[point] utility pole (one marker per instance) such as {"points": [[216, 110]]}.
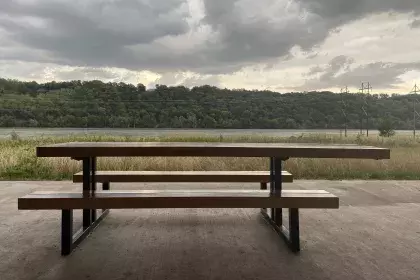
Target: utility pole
{"points": [[415, 113], [343, 108], [366, 88]]}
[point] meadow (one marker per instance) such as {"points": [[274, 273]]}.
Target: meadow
{"points": [[19, 162]]}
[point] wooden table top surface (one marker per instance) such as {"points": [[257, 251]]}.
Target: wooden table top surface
{"points": [[212, 149]]}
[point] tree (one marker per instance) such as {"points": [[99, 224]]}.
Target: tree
{"points": [[291, 123], [99, 104], [141, 88], [386, 128]]}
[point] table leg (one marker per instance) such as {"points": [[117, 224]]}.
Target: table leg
{"points": [[66, 231], [105, 187], [86, 190], [69, 241], [291, 234], [268, 211], [275, 215], [294, 238], [90, 220], [278, 184], [93, 185], [276, 187]]}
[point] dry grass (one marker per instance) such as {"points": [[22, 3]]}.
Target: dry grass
{"points": [[18, 160]]}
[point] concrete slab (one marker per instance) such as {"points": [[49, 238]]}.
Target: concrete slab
{"points": [[374, 235]]}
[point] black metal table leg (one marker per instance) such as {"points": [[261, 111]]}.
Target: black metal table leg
{"points": [[272, 184], [90, 221], [66, 231], [86, 191], [291, 235], [105, 186], [278, 213], [276, 187], [93, 185], [275, 218], [263, 186], [294, 229]]}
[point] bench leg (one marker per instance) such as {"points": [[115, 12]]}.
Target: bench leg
{"points": [[69, 241], [89, 187], [93, 186], [66, 231], [90, 220], [105, 187], [263, 186], [276, 188], [290, 235], [294, 229], [87, 217], [275, 217]]}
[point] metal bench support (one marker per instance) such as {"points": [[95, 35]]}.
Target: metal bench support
{"points": [[105, 187], [69, 241], [90, 220], [290, 235], [275, 215]]}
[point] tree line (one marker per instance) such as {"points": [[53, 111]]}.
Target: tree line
{"points": [[120, 105]]}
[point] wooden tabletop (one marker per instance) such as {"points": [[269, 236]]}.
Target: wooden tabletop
{"points": [[213, 149]]}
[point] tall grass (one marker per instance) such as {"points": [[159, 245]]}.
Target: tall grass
{"points": [[19, 162]]}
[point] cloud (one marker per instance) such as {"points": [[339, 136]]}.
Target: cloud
{"points": [[248, 31], [205, 41], [91, 33], [415, 23], [342, 71], [186, 79], [204, 36]]}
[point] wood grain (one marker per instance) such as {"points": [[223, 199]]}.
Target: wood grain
{"points": [[187, 149], [179, 199], [184, 176]]}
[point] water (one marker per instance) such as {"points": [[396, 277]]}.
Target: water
{"points": [[37, 132]]}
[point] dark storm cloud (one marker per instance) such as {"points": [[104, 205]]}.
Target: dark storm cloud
{"points": [[94, 33], [259, 38], [415, 23], [126, 33], [347, 10], [339, 72]]}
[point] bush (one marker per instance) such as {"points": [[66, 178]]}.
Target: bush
{"points": [[14, 136], [386, 128]]}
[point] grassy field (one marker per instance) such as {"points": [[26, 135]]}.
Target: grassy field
{"points": [[18, 160]]}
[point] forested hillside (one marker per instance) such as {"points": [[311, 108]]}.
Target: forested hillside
{"points": [[98, 104]]}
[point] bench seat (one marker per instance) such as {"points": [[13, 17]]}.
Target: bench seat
{"points": [[179, 199], [183, 176]]}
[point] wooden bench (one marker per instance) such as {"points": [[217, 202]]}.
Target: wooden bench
{"points": [[106, 177], [68, 201], [45, 200]]}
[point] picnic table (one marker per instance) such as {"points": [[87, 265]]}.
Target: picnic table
{"points": [[271, 202]]}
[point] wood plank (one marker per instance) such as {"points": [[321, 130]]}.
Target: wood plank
{"points": [[178, 199], [216, 149], [190, 191], [183, 176]]}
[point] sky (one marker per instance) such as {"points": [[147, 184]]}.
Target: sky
{"points": [[278, 45]]}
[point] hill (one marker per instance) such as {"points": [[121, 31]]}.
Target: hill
{"points": [[98, 104]]}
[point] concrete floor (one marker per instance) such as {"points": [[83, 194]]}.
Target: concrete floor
{"points": [[374, 235]]}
